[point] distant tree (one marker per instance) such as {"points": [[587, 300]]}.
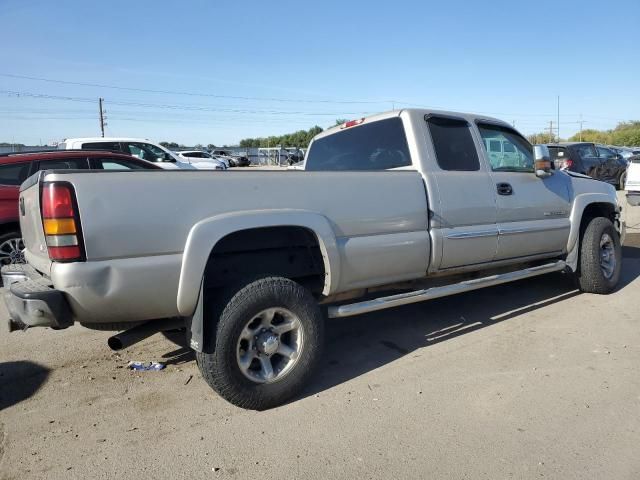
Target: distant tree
{"points": [[211, 146], [340, 121], [592, 135], [542, 137], [300, 139], [198, 146], [169, 144]]}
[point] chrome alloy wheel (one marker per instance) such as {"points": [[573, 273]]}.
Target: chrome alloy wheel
{"points": [[270, 345], [11, 251], [607, 256]]}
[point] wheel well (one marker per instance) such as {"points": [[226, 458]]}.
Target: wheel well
{"points": [[9, 227], [285, 251], [594, 210]]}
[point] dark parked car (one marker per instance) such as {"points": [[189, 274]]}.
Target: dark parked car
{"points": [[15, 168], [597, 161]]}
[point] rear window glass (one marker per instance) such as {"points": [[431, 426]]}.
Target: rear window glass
{"points": [[453, 144], [14, 174], [113, 146], [380, 145], [558, 153], [64, 164]]}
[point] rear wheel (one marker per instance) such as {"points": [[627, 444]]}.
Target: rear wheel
{"points": [[11, 248], [600, 257], [268, 342]]}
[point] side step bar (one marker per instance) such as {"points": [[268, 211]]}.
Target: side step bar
{"points": [[444, 291]]}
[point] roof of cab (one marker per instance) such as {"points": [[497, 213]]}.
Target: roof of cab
{"points": [[470, 117]]}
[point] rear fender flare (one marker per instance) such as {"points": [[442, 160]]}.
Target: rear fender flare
{"points": [[208, 232]]}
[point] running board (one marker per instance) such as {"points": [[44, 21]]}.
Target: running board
{"points": [[444, 291]]}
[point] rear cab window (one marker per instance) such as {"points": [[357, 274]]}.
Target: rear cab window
{"points": [[379, 145], [453, 144]]}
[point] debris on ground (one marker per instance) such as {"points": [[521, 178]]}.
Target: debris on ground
{"points": [[146, 366]]}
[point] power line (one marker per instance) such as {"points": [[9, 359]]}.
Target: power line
{"points": [[173, 106], [192, 94]]}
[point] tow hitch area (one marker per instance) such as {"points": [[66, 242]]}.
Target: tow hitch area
{"points": [[140, 332]]}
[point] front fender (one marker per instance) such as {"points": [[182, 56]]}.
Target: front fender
{"points": [[580, 203], [208, 232]]}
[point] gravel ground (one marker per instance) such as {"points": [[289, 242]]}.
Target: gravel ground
{"points": [[525, 380]]}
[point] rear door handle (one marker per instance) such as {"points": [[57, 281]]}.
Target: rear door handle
{"points": [[504, 189]]}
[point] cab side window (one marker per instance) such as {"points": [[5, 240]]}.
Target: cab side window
{"points": [[14, 173], [146, 151], [113, 164], [453, 144], [506, 149]]}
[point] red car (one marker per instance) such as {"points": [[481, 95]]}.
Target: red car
{"points": [[15, 168]]}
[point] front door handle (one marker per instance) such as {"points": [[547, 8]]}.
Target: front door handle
{"points": [[504, 189]]}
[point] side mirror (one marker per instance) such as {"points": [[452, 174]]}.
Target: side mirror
{"points": [[541, 161]]}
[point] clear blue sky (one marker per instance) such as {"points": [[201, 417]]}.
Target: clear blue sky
{"points": [[506, 58]]}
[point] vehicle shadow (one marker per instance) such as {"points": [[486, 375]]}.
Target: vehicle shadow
{"points": [[363, 343], [357, 345], [19, 381]]}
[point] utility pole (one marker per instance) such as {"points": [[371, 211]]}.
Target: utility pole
{"points": [[558, 118], [581, 122], [551, 130], [102, 124], [513, 122]]}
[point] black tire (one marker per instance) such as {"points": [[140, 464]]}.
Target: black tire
{"points": [[591, 277], [220, 368]]}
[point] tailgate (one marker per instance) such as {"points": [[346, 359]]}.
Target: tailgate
{"points": [[31, 224]]}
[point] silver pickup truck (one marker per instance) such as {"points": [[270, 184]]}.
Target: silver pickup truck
{"points": [[393, 209]]}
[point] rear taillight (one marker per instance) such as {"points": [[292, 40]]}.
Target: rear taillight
{"points": [[61, 223], [568, 163]]}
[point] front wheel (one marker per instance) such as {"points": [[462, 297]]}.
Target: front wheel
{"points": [[268, 343], [600, 257]]}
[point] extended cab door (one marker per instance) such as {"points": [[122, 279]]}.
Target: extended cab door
{"points": [[533, 213], [463, 219]]}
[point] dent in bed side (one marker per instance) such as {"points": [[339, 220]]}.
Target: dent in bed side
{"points": [[208, 232], [580, 203]]}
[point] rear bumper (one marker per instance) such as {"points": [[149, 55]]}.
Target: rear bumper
{"points": [[31, 300]]}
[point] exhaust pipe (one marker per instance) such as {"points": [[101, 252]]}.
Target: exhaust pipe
{"points": [[140, 332]]}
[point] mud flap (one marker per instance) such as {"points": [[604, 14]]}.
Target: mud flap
{"points": [[195, 324]]}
